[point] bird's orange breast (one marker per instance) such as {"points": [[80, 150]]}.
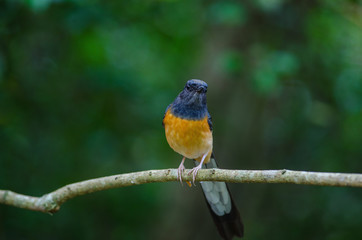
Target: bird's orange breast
{"points": [[190, 138]]}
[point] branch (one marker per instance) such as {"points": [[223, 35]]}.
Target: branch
{"points": [[51, 202]]}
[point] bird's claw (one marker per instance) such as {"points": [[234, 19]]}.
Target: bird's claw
{"points": [[179, 173], [180, 169], [194, 173]]}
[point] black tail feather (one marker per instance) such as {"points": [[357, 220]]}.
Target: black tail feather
{"points": [[228, 224]]}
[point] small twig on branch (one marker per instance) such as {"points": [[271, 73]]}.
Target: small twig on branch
{"points": [[51, 202]]}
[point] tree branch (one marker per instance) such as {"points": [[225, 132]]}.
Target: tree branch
{"points": [[51, 202]]}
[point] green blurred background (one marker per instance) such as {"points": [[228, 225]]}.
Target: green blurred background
{"points": [[84, 85]]}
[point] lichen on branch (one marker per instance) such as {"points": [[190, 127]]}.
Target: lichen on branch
{"points": [[51, 202]]}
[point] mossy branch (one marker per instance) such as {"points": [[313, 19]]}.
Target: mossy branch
{"points": [[51, 202]]}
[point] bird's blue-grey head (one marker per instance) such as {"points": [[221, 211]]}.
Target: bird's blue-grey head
{"points": [[191, 102]]}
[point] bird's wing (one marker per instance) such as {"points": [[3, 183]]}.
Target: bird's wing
{"points": [[209, 120], [165, 114]]}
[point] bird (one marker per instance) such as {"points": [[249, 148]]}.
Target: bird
{"points": [[188, 129]]}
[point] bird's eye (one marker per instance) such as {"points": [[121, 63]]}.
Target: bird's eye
{"points": [[188, 87]]}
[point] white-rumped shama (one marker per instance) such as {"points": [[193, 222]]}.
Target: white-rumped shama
{"points": [[188, 129]]}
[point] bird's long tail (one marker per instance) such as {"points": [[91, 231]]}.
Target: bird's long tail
{"points": [[222, 208]]}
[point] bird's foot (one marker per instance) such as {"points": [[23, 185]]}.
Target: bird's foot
{"points": [[194, 172], [197, 168], [180, 169]]}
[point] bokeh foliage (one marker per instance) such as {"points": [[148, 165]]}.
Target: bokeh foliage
{"points": [[83, 88]]}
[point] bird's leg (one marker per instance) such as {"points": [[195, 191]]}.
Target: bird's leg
{"points": [[180, 169], [197, 168]]}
